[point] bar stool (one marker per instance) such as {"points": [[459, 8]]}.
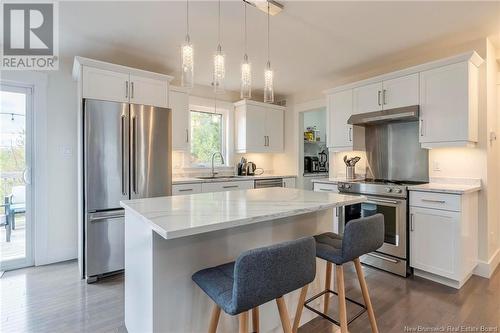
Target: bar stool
{"points": [[360, 237], [257, 277]]}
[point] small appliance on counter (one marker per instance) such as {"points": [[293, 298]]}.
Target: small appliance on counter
{"points": [[323, 161], [315, 164], [307, 164], [248, 168], [241, 169]]}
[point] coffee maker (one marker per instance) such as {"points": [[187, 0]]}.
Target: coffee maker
{"points": [[323, 161]]}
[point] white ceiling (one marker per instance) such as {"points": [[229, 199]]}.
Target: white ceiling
{"points": [[313, 43]]}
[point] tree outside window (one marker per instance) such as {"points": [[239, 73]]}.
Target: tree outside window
{"points": [[206, 136]]}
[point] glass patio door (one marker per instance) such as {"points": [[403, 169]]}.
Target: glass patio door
{"points": [[15, 176]]}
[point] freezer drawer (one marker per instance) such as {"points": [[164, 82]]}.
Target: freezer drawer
{"points": [[105, 234]]}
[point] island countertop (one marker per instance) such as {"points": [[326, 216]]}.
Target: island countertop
{"points": [[186, 215]]}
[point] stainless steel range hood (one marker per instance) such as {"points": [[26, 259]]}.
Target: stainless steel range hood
{"points": [[404, 114]]}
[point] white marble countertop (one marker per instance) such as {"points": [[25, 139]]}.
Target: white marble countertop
{"points": [[191, 180], [186, 215], [446, 188]]}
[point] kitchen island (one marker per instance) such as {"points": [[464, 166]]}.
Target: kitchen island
{"points": [[167, 239]]}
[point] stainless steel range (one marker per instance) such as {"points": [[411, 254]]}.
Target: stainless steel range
{"points": [[390, 199]]}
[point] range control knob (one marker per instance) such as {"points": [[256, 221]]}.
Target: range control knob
{"points": [[340, 186], [388, 189], [398, 190], [347, 186]]}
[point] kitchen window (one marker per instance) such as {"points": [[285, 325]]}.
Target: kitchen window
{"points": [[207, 137]]}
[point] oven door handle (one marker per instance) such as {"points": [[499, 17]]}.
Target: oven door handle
{"points": [[394, 261], [394, 202]]}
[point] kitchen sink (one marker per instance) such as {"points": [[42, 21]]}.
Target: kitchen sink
{"points": [[216, 177]]}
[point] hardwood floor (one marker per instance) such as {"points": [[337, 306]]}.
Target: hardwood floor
{"points": [[53, 299]]}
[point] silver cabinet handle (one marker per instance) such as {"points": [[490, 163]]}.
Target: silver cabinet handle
{"points": [[421, 127], [187, 135], [122, 138], [349, 135], [131, 89], [378, 97], [268, 140], [134, 151], [394, 261], [384, 101], [106, 217], [412, 224], [265, 141], [186, 190], [324, 190], [230, 186], [126, 89], [434, 201]]}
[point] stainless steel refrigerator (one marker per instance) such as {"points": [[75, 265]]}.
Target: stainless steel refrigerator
{"points": [[126, 155]]}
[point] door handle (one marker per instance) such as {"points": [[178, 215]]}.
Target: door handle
{"points": [[186, 190], [421, 127], [126, 89], [384, 101], [394, 261], [268, 140], [106, 217], [187, 135], [27, 176], [134, 152], [412, 225], [350, 134], [230, 186], [131, 89], [394, 202], [378, 98], [265, 140], [434, 201], [122, 138]]}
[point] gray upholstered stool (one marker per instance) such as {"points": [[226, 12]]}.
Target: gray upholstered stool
{"points": [[259, 276], [360, 237]]}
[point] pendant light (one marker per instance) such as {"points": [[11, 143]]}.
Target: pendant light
{"points": [[268, 73], [187, 70], [219, 63], [246, 68]]}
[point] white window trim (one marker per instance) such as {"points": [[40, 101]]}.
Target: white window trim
{"points": [[226, 109]]}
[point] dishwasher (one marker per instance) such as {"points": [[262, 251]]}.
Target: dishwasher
{"points": [[263, 183]]}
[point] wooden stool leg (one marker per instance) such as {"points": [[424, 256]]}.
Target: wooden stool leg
{"points": [[285, 320], [328, 284], [366, 296], [255, 319], [243, 322], [342, 304], [214, 319], [300, 307]]}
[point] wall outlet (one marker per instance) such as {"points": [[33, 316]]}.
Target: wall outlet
{"points": [[66, 151], [436, 166]]}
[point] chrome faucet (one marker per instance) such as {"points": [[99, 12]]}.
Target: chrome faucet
{"points": [[221, 159]]}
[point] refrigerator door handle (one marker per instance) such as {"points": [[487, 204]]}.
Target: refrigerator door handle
{"points": [[122, 139], [134, 154]]}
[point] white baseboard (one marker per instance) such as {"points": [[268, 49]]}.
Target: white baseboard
{"points": [[486, 268]]}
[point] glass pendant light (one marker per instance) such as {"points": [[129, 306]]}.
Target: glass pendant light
{"points": [[187, 70], [219, 64], [246, 68], [268, 73]]}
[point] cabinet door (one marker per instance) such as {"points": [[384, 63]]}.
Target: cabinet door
{"points": [[179, 103], [322, 187], [148, 91], [433, 241], [274, 130], [256, 141], [367, 98], [184, 189], [399, 92], [444, 104], [339, 111], [105, 85], [289, 182]]}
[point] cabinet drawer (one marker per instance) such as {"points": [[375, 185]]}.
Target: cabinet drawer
{"points": [[227, 186], [450, 202], [186, 189], [323, 187]]}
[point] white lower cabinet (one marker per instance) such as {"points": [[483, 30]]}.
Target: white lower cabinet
{"points": [[227, 186], [330, 187], [181, 189], [289, 182], [443, 236]]}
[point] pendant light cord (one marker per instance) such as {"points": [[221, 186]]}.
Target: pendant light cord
{"points": [[218, 27], [187, 17], [268, 48], [245, 4]]}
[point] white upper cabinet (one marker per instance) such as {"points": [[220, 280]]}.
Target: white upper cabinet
{"points": [[341, 136], [449, 105], [111, 82], [259, 127], [144, 90], [367, 98], [105, 85], [400, 92], [179, 104]]}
